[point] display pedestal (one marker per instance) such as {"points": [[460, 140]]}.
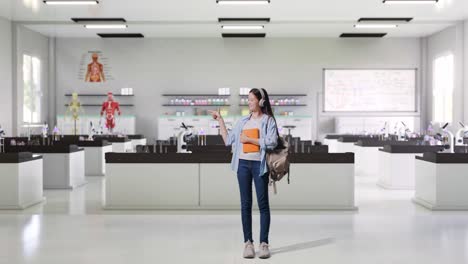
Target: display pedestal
{"points": [[367, 161], [64, 170], [319, 181], [396, 170], [95, 160], [21, 184], [441, 186], [313, 187], [151, 186]]}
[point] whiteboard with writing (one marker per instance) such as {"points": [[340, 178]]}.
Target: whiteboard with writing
{"points": [[357, 90]]}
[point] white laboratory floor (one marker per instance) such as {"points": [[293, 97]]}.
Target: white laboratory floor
{"points": [[72, 228]]}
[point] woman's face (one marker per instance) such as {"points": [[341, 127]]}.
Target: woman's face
{"points": [[253, 103]]}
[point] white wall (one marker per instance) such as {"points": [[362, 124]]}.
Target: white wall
{"points": [[156, 66], [34, 44], [6, 89], [448, 40], [465, 64]]}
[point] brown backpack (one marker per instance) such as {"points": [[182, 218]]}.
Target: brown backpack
{"points": [[278, 162]]}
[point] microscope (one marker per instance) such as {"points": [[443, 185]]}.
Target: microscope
{"points": [[384, 131], [92, 131], [460, 135], [2, 140], [451, 137], [403, 132], [185, 133]]}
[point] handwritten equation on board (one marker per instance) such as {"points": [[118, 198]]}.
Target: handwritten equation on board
{"points": [[355, 90]]}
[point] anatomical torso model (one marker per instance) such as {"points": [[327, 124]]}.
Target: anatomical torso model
{"points": [[109, 107], [95, 72]]}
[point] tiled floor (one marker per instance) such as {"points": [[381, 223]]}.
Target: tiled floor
{"points": [[72, 228]]}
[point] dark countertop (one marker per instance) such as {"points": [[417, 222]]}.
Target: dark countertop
{"points": [[411, 149], [219, 157], [17, 139], [94, 143], [356, 138], [135, 136], [322, 158], [113, 139], [61, 148], [444, 158], [309, 148], [220, 148], [64, 140], [337, 136], [168, 158], [381, 143], [75, 140], [350, 139], [461, 149], [19, 157]]}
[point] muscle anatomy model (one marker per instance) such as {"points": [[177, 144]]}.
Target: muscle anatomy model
{"points": [[95, 72], [110, 107]]}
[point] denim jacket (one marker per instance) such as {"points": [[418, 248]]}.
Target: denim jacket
{"points": [[268, 141]]}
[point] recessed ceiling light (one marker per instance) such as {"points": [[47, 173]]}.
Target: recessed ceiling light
{"points": [[97, 26], [243, 19], [362, 35], [243, 2], [375, 26], [242, 27], [410, 1], [98, 20], [72, 2], [132, 35], [385, 19], [243, 35]]}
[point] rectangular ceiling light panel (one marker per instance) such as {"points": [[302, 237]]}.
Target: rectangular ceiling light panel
{"points": [[362, 35], [71, 2], [243, 2], [410, 1]]}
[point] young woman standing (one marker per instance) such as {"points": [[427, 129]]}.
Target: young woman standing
{"points": [[250, 139]]}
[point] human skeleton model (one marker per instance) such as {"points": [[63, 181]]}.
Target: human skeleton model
{"points": [[74, 108], [95, 72], [110, 107]]}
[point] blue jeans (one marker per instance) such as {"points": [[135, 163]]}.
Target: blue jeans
{"points": [[249, 170]]}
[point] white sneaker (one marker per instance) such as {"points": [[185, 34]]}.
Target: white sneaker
{"points": [[264, 251], [249, 250]]}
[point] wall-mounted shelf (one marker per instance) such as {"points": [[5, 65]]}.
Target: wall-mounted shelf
{"points": [[99, 105], [188, 95], [195, 105], [276, 95], [279, 105], [101, 95]]}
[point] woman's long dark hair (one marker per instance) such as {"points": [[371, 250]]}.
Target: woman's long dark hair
{"points": [[266, 109]]}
